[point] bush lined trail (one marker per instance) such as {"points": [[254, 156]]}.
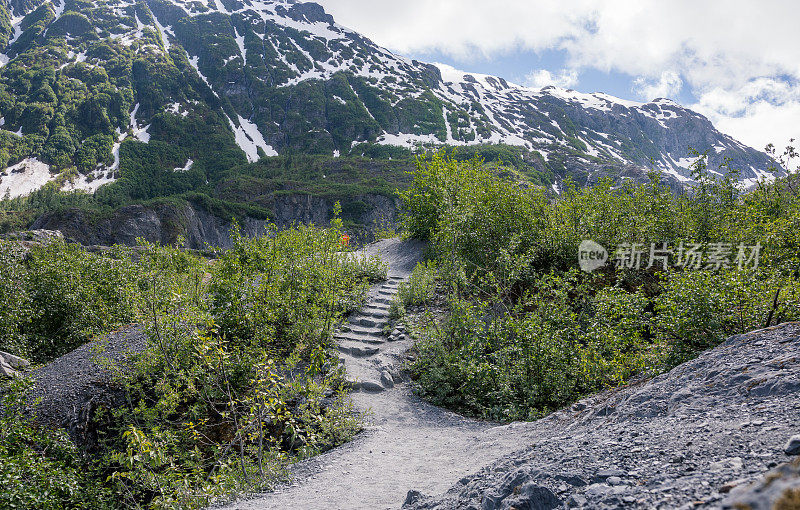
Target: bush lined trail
{"points": [[683, 438], [407, 444]]}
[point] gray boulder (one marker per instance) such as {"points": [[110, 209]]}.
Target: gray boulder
{"points": [[11, 365], [778, 489]]}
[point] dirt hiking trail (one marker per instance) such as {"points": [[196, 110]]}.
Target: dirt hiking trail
{"points": [[407, 444]]}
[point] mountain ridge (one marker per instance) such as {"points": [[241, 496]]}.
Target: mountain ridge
{"points": [[226, 82]]}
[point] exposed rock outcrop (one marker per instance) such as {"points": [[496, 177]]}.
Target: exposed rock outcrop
{"points": [[373, 211], [40, 236], [161, 224], [165, 223], [777, 490], [11, 366]]}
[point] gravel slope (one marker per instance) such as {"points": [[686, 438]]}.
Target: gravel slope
{"points": [[66, 384]]}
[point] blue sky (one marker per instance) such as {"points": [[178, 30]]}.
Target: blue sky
{"points": [[516, 65], [735, 61]]}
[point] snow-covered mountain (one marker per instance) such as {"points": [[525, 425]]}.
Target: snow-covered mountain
{"points": [[97, 88]]}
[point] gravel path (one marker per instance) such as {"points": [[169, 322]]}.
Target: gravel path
{"points": [[407, 443]]}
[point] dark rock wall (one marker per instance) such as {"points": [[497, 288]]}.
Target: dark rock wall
{"points": [[165, 223]]}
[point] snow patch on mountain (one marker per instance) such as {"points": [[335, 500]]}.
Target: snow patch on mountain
{"points": [[250, 139], [407, 140], [186, 167], [140, 133], [240, 42], [163, 31], [24, 178], [90, 182], [194, 61], [15, 21]]}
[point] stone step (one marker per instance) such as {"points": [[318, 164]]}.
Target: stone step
{"points": [[372, 384], [375, 314], [357, 349], [364, 339], [367, 386], [372, 305], [364, 375], [381, 300], [374, 311], [369, 322], [360, 330]]}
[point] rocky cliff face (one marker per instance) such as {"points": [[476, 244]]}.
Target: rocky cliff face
{"points": [[371, 211], [164, 224]]}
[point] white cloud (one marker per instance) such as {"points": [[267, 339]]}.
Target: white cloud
{"points": [[701, 40], [764, 110], [762, 123], [542, 78], [717, 49], [669, 85], [464, 29]]}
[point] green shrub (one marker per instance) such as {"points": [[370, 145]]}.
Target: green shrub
{"points": [[699, 309], [60, 296], [417, 291], [41, 468], [526, 333], [559, 342]]}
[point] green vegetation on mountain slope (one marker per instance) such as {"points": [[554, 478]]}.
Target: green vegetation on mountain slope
{"points": [[527, 332], [166, 82], [236, 382], [249, 189]]}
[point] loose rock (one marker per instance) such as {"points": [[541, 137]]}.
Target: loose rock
{"points": [[792, 446]]}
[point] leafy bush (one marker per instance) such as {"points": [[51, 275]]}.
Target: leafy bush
{"points": [[59, 296], [238, 379], [562, 340], [526, 333], [41, 468], [418, 290], [699, 309]]}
